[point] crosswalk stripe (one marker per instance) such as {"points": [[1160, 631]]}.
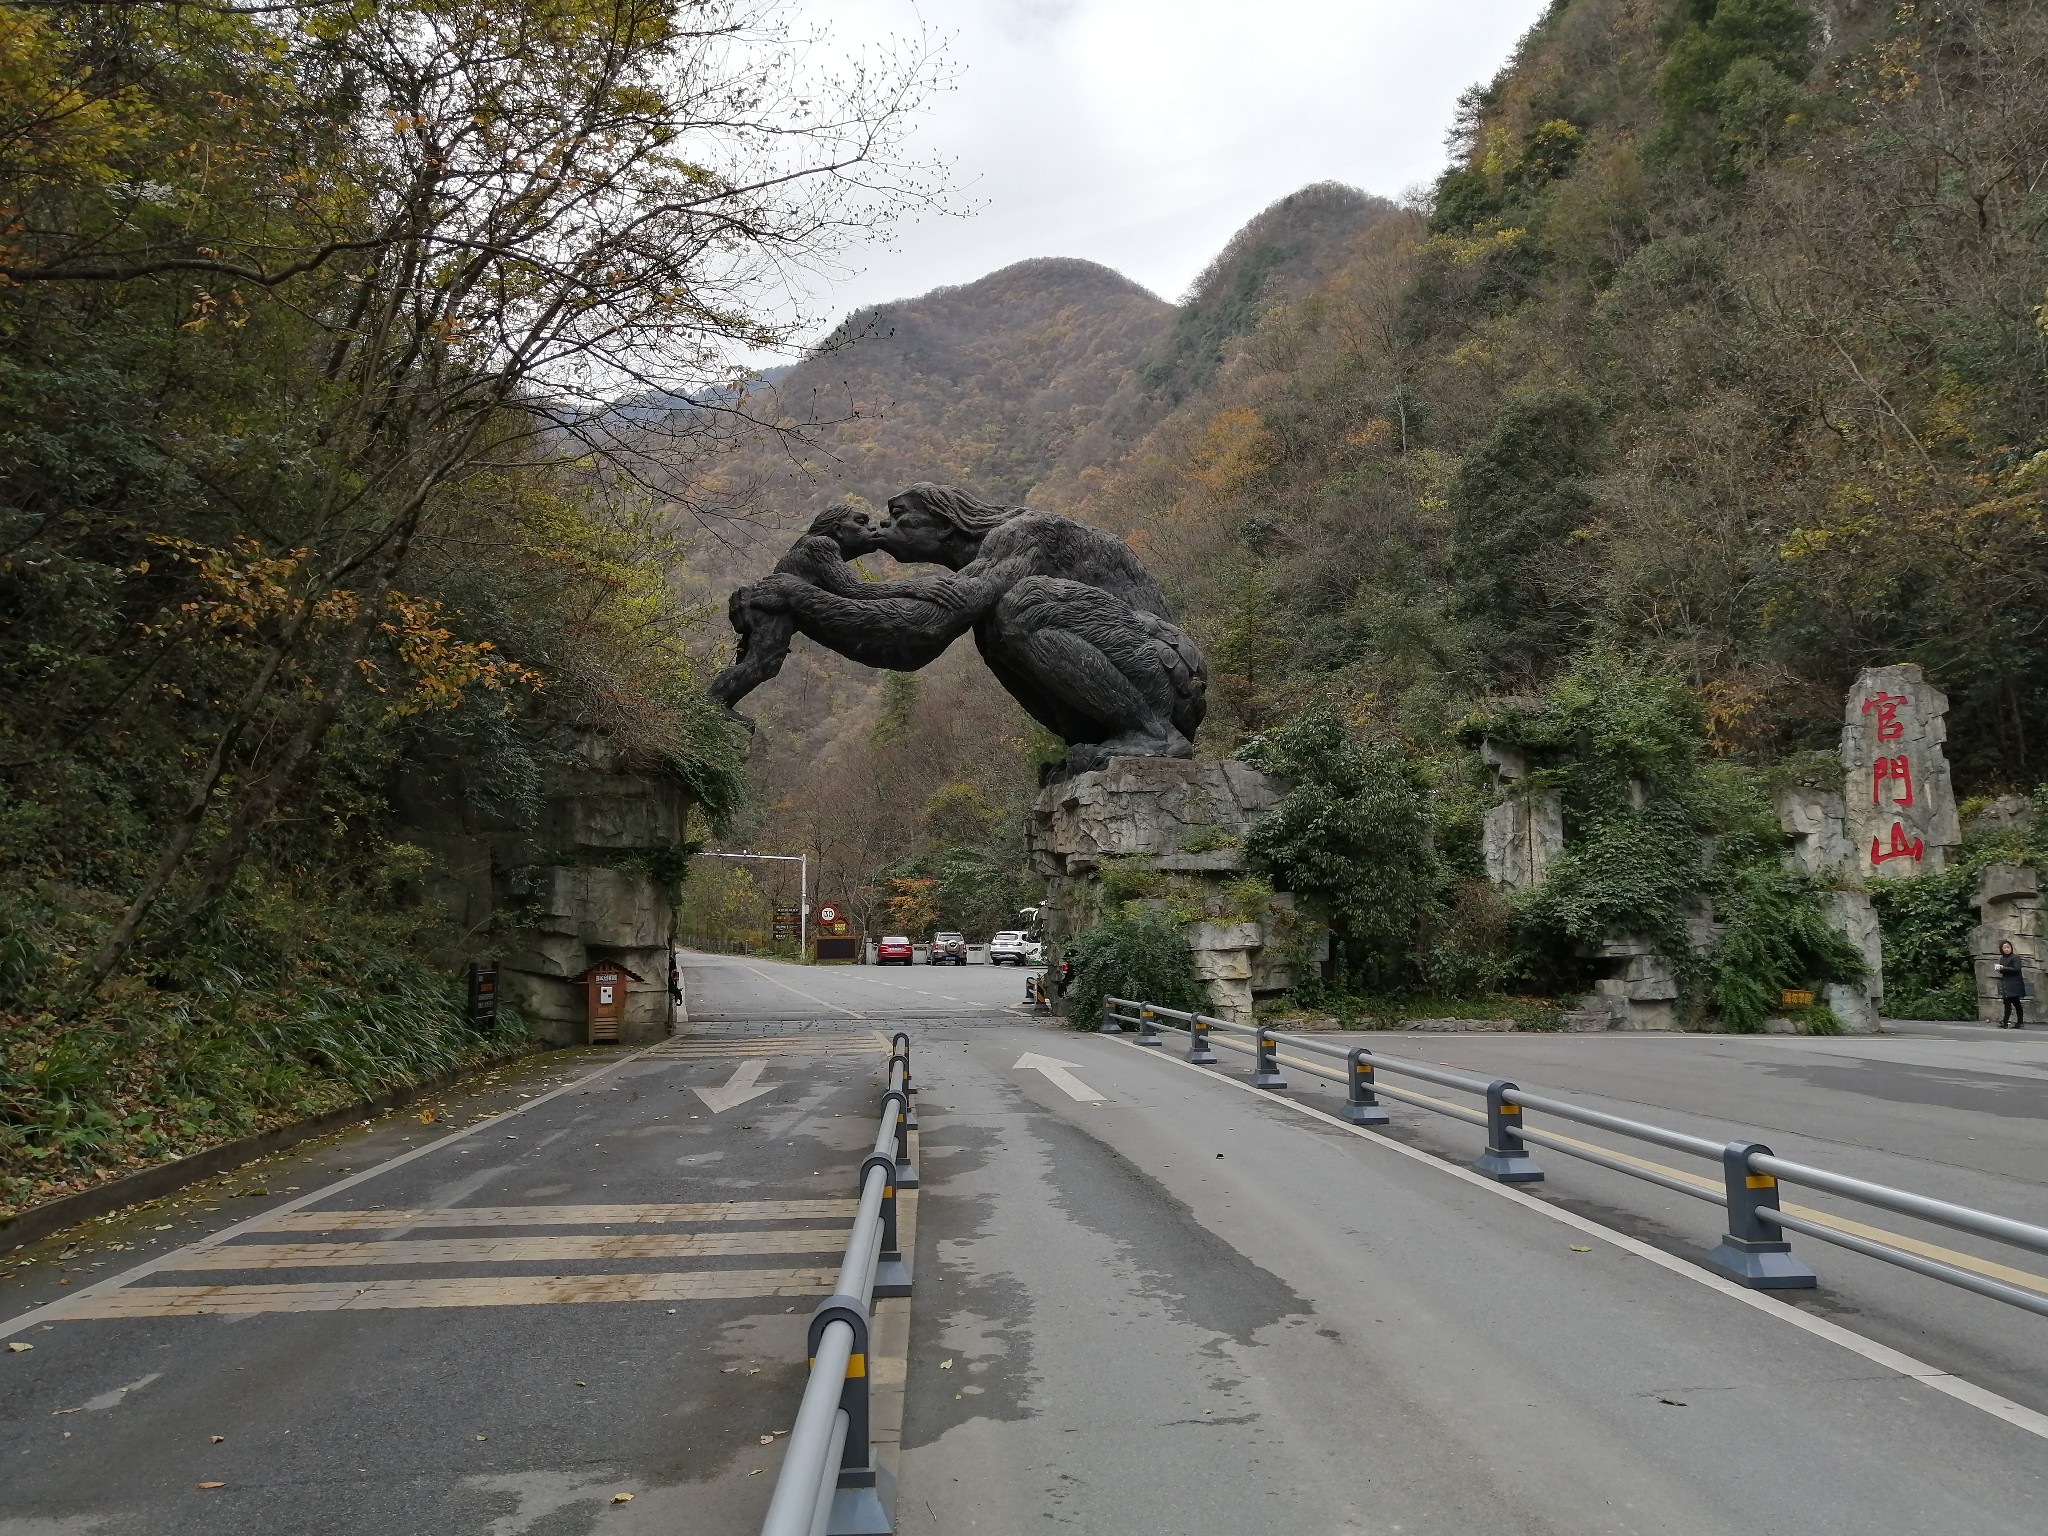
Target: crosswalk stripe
{"points": [[509, 1250], [835, 1208], [450, 1291], [712, 1047]]}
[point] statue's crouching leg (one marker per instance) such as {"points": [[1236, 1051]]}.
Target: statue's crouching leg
{"points": [[1090, 651], [763, 647]]}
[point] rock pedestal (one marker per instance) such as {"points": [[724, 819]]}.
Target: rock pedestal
{"points": [[549, 900], [1169, 833], [1644, 995]]}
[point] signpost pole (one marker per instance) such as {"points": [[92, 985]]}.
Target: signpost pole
{"points": [[803, 906]]}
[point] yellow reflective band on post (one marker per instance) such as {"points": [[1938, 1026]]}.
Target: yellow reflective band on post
{"points": [[1511, 1109], [1761, 1181], [888, 1191], [856, 1366]]}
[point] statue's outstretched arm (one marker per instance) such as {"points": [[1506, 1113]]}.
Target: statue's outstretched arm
{"points": [[901, 624]]}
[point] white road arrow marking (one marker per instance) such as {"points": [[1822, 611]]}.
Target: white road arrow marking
{"points": [[744, 1086], [1057, 1074]]}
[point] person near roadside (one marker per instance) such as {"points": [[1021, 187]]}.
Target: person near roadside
{"points": [[2012, 988]]}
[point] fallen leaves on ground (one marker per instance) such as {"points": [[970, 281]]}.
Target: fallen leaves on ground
{"points": [[622, 1498], [1582, 1247], [218, 1439], [213, 1485], [945, 1365], [19, 1349]]}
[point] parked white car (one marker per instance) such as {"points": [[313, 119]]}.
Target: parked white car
{"points": [[1014, 946]]}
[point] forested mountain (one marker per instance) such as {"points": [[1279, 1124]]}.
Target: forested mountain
{"points": [[1022, 386], [1723, 343], [1714, 368]]}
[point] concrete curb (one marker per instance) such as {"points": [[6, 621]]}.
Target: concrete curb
{"points": [[146, 1184]]}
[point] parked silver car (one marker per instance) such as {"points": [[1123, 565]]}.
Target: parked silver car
{"points": [[949, 949]]}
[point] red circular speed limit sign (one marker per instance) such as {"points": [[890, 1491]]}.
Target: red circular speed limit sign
{"points": [[828, 914]]}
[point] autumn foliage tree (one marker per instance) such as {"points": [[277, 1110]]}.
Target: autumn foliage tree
{"points": [[327, 337]]}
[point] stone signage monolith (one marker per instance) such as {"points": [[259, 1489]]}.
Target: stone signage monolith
{"points": [[1899, 808]]}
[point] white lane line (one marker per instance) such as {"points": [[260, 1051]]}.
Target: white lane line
{"points": [[2016, 1414], [1057, 1073], [800, 992], [54, 1310]]}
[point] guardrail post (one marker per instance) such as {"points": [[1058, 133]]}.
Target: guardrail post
{"points": [[1754, 1253], [857, 1497], [1198, 1042], [1361, 1105], [1109, 1024], [905, 1176], [1506, 1159], [892, 1273], [1148, 1026], [902, 1053], [1266, 1070]]}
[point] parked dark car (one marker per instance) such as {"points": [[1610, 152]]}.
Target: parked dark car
{"points": [[894, 950]]}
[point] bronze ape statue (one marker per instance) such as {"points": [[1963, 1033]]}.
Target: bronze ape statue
{"points": [[1065, 616]]}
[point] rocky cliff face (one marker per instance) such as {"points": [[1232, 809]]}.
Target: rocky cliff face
{"points": [[1170, 833], [591, 880]]}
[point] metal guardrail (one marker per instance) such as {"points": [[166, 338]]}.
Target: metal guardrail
{"points": [[1752, 1252], [830, 1483]]}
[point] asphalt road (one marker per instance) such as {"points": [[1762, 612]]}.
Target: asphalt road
{"points": [[566, 1289], [1169, 1305]]}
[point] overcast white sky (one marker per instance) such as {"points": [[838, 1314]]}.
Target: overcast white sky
{"points": [[1143, 133]]}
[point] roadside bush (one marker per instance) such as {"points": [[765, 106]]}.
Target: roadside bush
{"points": [[1927, 923], [1142, 958], [286, 1006], [1776, 937], [1355, 834]]}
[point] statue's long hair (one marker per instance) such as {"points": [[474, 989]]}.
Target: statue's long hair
{"points": [[964, 510]]}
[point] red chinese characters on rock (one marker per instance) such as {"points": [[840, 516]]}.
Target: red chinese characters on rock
{"points": [[1889, 726], [1897, 771]]}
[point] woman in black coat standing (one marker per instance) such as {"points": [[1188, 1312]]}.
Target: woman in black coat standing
{"points": [[2012, 988]]}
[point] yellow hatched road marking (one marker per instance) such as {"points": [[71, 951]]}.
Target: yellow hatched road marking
{"points": [[509, 1250], [561, 1215], [478, 1291], [710, 1047]]}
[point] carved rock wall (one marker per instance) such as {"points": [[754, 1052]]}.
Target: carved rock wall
{"points": [[2008, 901], [1520, 837], [1172, 816], [551, 899]]}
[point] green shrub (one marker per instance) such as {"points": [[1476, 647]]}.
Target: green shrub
{"points": [[1927, 923], [1355, 833], [1144, 959], [1776, 936]]}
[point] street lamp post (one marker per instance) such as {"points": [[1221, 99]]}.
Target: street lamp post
{"points": [[802, 861]]}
